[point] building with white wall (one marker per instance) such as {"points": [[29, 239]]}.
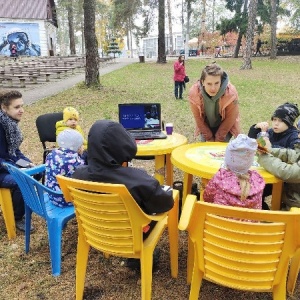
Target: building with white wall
{"points": [[29, 24], [150, 45]]}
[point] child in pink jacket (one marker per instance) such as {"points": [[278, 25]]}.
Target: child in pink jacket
{"points": [[235, 184]]}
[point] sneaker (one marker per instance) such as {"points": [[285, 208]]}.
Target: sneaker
{"points": [[134, 263], [20, 224]]}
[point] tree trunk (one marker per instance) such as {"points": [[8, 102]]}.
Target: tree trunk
{"points": [[203, 19], [240, 36], [170, 27], [187, 34], [161, 55], [71, 27], [91, 44], [238, 45], [249, 35], [82, 38], [273, 29], [213, 15]]}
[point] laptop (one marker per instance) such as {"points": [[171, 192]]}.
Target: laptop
{"points": [[142, 120]]}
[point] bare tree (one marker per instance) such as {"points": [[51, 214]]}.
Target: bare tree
{"points": [[170, 26], [273, 30], [249, 35], [203, 18], [161, 55], [71, 26], [213, 15], [91, 44]]}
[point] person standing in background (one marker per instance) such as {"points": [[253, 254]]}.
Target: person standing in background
{"points": [[179, 74], [258, 46]]}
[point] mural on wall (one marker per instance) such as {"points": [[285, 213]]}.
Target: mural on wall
{"points": [[25, 37]]}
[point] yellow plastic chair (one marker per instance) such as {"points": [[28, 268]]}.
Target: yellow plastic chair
{"points": [[8, 212], [110, 221], [294, 266], [240, 248]]}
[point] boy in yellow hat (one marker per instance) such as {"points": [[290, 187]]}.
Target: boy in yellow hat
{"points": [[70, 120]]}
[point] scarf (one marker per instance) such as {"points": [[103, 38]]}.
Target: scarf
{"points": [[12, 133], [211, 104]]}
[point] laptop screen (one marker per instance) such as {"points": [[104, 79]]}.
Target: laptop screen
{"points": [[140, 116]]}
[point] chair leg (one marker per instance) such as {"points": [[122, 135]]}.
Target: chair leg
{"points": [[293, 273], [81, 264], [55, 237], [279, 291], [146, 273], [28, 213], [190, 260], [196, 282], [173, 238], [8, 212]]}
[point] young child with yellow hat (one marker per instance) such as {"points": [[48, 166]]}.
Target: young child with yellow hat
{"points": [[70, 120]]}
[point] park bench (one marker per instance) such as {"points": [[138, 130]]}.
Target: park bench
{"points": [[9, 80]]}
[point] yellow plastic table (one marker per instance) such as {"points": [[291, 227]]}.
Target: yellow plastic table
{"points": [[205, 159], [161, 149]]}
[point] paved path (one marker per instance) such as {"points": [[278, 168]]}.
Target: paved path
{"points": [[34, 94]]}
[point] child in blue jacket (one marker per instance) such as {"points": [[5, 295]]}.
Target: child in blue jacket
{"points": [[63, 161]]}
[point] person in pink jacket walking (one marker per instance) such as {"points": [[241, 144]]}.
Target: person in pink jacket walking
{"points": [[235, 184], [179, 74]]}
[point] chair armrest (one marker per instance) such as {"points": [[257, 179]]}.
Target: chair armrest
{"points": [[187, 212], [157, 217], [35, 170]]}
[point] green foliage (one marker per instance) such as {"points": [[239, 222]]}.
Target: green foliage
{"points": [[113, 47]]}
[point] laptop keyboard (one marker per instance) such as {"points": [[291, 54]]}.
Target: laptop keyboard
{"points": [[144, 134]]}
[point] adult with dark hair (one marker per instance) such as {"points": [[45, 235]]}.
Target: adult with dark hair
{"points": [[11, 112], [179, 74], [214, 104]]}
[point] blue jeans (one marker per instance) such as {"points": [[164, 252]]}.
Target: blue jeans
{"points": [[7, 181], [178, 86]]}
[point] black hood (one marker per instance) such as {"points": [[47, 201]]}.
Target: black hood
{"points": [[109, 144]]}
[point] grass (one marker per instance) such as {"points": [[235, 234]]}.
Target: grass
{"points": [[261, 90]]}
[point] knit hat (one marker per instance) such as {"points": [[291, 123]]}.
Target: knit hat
{"points": [[70, 113], [239, 154], [287, 112], [70, 139]]}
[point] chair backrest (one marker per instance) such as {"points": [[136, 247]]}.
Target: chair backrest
{"points": [[33, 192], [46, 127], [243, 248], [107, 215]]}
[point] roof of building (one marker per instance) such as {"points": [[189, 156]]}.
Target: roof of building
{"points": [[29, 9]]}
